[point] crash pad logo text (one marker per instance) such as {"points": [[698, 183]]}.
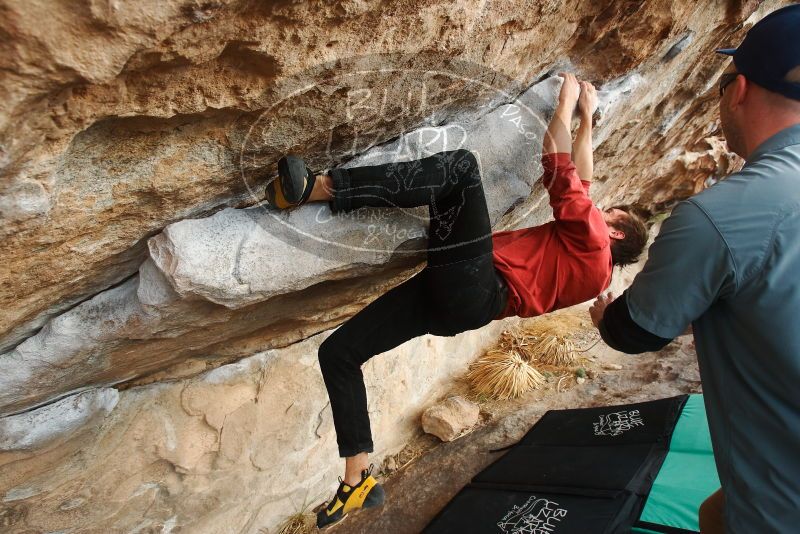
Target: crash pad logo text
{"points": [[616, 423], [536, 516]]}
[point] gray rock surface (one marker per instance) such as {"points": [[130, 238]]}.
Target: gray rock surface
{"points": [[200, 269], [237, 257], [57, 421]]}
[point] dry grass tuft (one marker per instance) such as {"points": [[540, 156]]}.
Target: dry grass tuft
{"points": [[503, 375], [552, 349], [299, 523], [507, 371], [549, 339]]}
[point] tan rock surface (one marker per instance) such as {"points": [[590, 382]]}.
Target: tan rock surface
{"points": [[139, 393], [449, 418], [235, 449], [121, 118]]}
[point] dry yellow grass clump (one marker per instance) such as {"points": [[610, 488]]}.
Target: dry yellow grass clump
{"points": [[548, 339], [552, 349], [507, 371], [299, 523], [503, 375]]}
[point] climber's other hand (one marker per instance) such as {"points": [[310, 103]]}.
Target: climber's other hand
{"points": [[570, 91], [587, 102]]}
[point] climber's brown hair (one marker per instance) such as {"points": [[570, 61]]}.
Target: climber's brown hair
{"points": [[627, 250]]}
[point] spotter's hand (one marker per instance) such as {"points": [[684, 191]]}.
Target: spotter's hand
{"points": [[599, 308]]}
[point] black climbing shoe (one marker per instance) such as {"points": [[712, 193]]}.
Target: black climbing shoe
{"points": [[293, 185], [365, 494]]}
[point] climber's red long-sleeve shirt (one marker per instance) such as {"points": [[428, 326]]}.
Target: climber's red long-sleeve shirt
{"points": [[560, 263]]}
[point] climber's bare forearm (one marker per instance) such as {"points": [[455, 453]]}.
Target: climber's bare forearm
{"points": [[582, 149], [582, 153], [558, 137]]}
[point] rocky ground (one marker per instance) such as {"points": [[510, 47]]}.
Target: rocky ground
{"points": [[422, 478]]}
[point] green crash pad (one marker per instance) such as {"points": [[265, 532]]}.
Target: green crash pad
{"points": [[687, 477]]}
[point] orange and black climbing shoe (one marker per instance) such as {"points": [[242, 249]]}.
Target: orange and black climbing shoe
{"points": [[293, 185], [365, 494]]}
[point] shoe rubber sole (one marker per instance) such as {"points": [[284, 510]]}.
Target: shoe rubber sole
{"points": [[293, 178]]}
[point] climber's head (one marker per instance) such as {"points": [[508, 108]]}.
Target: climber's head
{"points": [[760, 90], [628, 234]]}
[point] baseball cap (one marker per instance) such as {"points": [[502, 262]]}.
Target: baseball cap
{"points": [[770, 50]]}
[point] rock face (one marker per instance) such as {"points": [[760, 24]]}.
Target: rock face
{"points": [[204, 274], [146, 293], [119, 120], [235, 449], [450, 418]]}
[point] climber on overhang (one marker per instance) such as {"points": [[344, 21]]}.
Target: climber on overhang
{"points": [[727, 263], [473, 276]]}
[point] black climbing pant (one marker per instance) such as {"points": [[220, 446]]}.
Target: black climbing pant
{"points": [[458, 290]]}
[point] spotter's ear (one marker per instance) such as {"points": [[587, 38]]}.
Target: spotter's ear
{"points": [[616, 234], [740, 87]]}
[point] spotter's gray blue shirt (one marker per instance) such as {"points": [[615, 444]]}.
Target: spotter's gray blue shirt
{"points": [[728, 261]]}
